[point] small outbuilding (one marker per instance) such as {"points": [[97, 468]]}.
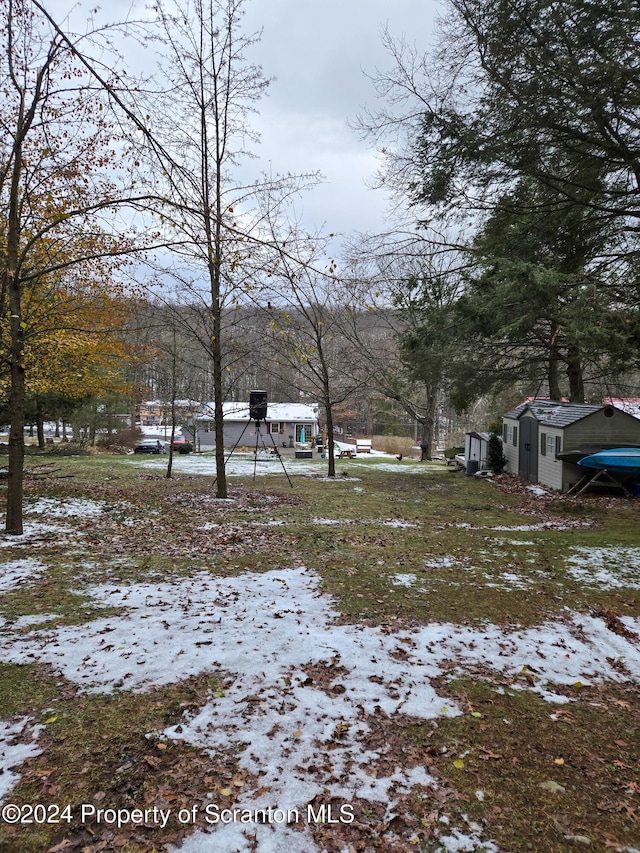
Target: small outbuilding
{"points": [[542, 440], [475, 451]]}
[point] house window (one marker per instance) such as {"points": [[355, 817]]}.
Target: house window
{"points": [[274, 428]]}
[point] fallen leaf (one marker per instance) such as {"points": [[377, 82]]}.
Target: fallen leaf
{"points": [[487, 754]]}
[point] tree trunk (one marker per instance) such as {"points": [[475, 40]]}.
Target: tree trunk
{"points": [[173, 405], [428, 424], [331, 451], [218, 409], [552, 367], [574, 374], [40, 427], [12, 291], [16, 440]]}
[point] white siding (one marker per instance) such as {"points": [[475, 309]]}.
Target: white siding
{"points": [[509, 449], [549, 468]]}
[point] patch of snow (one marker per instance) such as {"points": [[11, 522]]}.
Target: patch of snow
{"points": [[17, 572], [404, 580], [390, 522], [509, 581], [275, 642], [538, 491], [243, 464], [35, 534], [441, 563], [13, 752], [65, 508], [514, 528], [459, 842], [611, 568], [239, 838], [239, 465], [398, 467]]}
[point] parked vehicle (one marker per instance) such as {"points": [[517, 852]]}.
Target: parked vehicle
{"points": [[149, 445], [182, 444]]}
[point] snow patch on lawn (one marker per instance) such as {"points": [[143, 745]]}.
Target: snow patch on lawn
{"points": [[442, 563], [36, 534], [299, 688], [404, 580], [18, 572], [611, 568], [65, 508], [14, 752]]}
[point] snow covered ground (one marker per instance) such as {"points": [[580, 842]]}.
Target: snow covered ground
{"points": [[266, 636], [244, 464]]}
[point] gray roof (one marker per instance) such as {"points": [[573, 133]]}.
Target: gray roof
{"points": [[553, 413]]}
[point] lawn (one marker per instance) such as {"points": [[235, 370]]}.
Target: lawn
{"points": [[403, 659]]}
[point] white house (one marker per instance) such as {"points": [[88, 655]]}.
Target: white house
{"points": [[286, 425]]}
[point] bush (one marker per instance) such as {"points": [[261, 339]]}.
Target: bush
{"points": [[125, 437], [496, 460]]}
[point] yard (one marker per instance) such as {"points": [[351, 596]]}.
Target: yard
{"points": [[403, 659]]}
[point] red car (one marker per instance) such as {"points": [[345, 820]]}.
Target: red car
{"points": [[182, 444]]}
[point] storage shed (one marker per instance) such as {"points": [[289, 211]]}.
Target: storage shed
{"points": [[475, 451], [543, 439]]}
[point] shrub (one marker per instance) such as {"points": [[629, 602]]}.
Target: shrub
{"points": [[496, 460]]}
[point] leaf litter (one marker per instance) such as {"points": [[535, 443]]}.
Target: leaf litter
{"points": [[298, 736], [284, 659]]}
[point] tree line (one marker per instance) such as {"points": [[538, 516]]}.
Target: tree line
{"points": [[131, 235]]}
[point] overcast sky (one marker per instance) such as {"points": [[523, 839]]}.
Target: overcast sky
{"points": [[319, 53]]}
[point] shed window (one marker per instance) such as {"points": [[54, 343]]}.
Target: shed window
{"points": [[551, 445]]}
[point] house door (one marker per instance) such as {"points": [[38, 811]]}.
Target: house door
{"points": [[528, 450]]}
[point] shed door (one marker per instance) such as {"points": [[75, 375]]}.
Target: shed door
{"points": [[528, 450]]}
